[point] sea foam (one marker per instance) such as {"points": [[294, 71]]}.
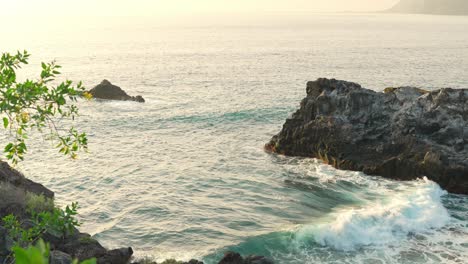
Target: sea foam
{"points": [[413, 210]]}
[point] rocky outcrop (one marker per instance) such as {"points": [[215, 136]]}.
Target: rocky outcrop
{"points": [[14, 177], [436, 7], [14, 188], [401, 133], [107, 91]]}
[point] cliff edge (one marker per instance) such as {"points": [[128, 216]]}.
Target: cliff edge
{"points": [[435, 7]]}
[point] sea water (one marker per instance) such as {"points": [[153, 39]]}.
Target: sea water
{"points": [[184, 175]]}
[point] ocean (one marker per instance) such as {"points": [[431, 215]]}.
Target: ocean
{"points": [[184, 175]]}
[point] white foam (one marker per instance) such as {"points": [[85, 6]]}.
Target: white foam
{"points": [[415, 209]]}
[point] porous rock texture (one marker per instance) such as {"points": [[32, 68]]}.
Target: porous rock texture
{"points": [[402, 133], [107, 91]]}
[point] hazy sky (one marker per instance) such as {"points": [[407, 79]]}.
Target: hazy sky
{"points": [[164, 8]]}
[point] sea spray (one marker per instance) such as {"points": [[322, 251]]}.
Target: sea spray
{"points": [[413, 210]]}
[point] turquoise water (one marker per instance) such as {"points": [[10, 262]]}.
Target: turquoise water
{"points": [[185, 175]]}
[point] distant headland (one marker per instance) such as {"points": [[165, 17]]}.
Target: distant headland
{"points": [[436, 7]]}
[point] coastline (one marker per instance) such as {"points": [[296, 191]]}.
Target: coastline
{"points": [[15, 186]]}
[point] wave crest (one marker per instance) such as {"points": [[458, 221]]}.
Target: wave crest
{"points": [[413, 210]]}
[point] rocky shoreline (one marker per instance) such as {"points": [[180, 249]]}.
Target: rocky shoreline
{"points": [[14, 187], [77, 245], [402, 133]]}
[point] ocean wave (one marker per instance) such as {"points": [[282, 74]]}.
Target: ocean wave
{"points": [[404, 212]]}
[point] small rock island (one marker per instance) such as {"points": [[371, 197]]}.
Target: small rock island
{"points": [[107, 91], [402, 133], [435, 7]]}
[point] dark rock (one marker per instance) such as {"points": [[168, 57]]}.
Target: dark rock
{"points": [[193, 261], [231, 258], [404, 133], [116, 256], [4, 247], [252, 259], [14, 177], [108, 91], [82, 246], [15, 209], [59, 257]]}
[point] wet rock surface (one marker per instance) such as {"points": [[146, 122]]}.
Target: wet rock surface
{"points": [[402, 133], [236, 258], [107, 91]]}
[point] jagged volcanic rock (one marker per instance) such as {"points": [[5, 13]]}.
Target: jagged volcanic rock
{"points": [[403, 133]]}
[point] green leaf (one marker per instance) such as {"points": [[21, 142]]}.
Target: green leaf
{"points": [[89, 261], [21, 256], [34, 105], [8, 147]]}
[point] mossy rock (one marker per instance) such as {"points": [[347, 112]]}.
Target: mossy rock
{"points": [[389, 90]]}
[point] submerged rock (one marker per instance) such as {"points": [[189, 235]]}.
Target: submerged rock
{"points": [[107, 91], [403, 133], [236, 258], [231, 258]]}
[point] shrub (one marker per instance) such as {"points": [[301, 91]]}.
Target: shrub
{"points": [[38, 203], [57, 222]]}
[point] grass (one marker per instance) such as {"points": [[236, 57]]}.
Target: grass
{"points": [[38, 203], [10, 194], [20, 202]]}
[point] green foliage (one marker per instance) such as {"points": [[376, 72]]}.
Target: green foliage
{"points": [[38, 254], [38, 203], [57, 222], [20, 235], [87, 240], [36, 104]]}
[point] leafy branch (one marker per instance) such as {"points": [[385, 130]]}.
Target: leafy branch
{"points": [[35, 105]]}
